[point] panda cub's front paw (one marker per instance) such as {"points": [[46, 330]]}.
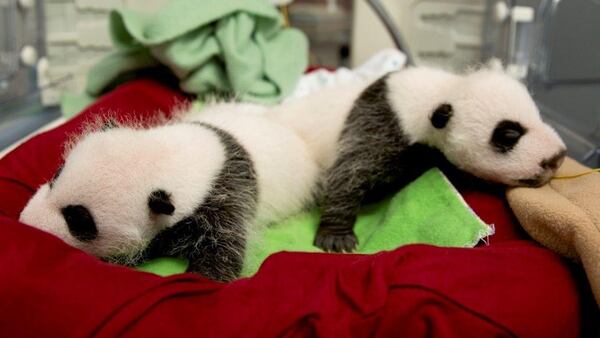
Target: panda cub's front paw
{"points": [[331, 241]]}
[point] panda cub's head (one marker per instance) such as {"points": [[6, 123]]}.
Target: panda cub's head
{"points": [[488, 125], [119, 187]]}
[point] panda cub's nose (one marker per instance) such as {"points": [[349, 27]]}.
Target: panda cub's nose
{"points": [[554, 162]]}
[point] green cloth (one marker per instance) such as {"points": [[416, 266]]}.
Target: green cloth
{"points": [[71, 104], [235, 47], [428, 210], [164, 266]]}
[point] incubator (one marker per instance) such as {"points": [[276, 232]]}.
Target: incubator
{"points": [[47, 47]]}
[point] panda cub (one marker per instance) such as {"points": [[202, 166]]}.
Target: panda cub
{"points": [[195, 188], [373, 136]]}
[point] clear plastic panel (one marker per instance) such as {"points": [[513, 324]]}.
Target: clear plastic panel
{"points": [[565, 73], [560, 76], [9, 56], [571, 53]]}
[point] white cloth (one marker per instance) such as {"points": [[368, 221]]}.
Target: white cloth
{"points": [[385, 61]]}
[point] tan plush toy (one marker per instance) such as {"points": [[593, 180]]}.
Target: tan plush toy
{"points": [[564, 215]]}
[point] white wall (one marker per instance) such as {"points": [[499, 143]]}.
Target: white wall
{"points": [[446, 33]]}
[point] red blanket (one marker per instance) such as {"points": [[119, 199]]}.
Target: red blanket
{"points": [[47, 289]]}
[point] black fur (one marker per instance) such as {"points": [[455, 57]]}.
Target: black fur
{"points": [[554, 161], [213, 238], [373, 156], [80, 222], [109, 124], [56, 174], [441, 116], [535, 181], [506, 135], [159, 202]]}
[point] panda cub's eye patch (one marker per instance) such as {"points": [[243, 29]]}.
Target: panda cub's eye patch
{"points": [[80, 222], [506, 135]]}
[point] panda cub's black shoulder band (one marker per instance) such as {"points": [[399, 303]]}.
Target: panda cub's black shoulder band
{"points": [[371, 139], [213, 238], [374, 157]]}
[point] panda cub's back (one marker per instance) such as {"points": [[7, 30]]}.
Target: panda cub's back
{"points": [[286, 171]]}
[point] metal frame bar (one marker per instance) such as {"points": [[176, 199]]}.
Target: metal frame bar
{"points": [[392, 29]]}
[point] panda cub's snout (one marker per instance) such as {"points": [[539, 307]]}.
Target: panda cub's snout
{"points": [[548, 168], [80, 222], [554, 162]]}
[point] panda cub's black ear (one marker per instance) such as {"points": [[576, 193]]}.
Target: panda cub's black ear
{"points": [[441, 115], [159, 202]]}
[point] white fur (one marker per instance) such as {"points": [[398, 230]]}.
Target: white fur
{"points": [[415, 93], [480, 100], [319, 118], [113, 172], [286, 170]]}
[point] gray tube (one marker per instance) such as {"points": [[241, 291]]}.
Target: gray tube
{"points": [[392, 29]]}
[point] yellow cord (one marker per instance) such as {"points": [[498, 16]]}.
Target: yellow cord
{"points": [[577, 175]]}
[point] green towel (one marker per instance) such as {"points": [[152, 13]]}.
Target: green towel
{"points": [[428, 210], [224, 46]]}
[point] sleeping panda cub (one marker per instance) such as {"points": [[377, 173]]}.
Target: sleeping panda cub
{"points": [[194, 188], [372, 136]]}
